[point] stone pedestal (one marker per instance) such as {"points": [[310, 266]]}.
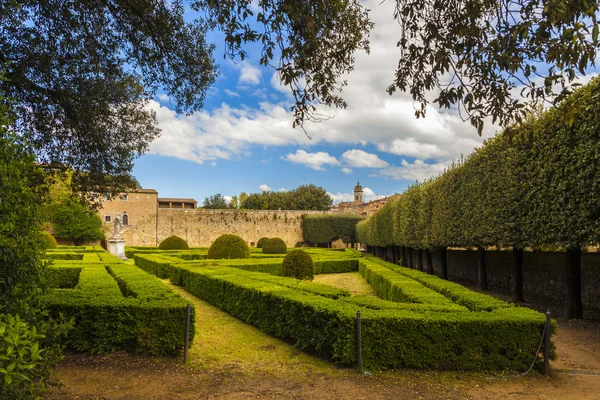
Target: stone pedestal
{"points": [[116, 247]]}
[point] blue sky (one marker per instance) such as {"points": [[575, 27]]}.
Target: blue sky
{"points": [[243, 141]]}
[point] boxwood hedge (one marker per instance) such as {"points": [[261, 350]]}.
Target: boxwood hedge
{"points": [[446, 330], [116, 306]]}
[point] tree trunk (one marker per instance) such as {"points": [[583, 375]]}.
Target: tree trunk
{"points": [[410, 257], [429, 262], [482, 272], [573, 306], [389, 252], [404, 259], [420, 260], [443, 264], [517, 275]]}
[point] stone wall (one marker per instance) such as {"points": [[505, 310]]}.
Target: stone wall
{"points": [[542, 272], [201, 227]]}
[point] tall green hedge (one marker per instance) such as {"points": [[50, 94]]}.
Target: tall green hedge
{"points": [[534, 185], [326, 228]]}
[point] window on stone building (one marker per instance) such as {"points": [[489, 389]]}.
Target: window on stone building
{"points": [[125, 219], [107, 219], [147, 197], [123, 197], [137, 197], [106, 196]]}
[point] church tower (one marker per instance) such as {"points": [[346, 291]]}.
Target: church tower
{"points": [[358, 193]]}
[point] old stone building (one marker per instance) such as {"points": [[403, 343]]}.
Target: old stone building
{"points": [[148, 220], [138, 211]]}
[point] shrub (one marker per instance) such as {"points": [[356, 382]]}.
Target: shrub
{"points": [[229, 246], [49, 241], [299, 244], [261, 242], [298, 264], [173, 243], [326, 228], [274, 246]]}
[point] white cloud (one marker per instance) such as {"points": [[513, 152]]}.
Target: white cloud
{"points": [[312, 160], [370, 195], [418, 170], [362, 159], [410, 147], [249, 74], [372, 118], [231, 93], [283, 190], [346, 170], [264, 161], [163, 97], [227, 199], [340, 197], [265, 188]]}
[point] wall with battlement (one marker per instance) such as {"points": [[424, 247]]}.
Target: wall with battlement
{"points": [[201, 227]]}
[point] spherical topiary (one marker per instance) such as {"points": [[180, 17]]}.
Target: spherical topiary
{"points": [[261, 242], [229, 246], [49, 241], [173, 243], [274, 246], [298, 264]]}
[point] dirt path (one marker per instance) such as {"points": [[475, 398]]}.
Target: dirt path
{"points": [[232, 360]]}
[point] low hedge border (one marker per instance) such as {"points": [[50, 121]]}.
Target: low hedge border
{"points": [[505, 338], [392, 286], [149, 319], [474, 301], [62, 277]]}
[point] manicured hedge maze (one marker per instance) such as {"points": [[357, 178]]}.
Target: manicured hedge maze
{"points": [[419, 321], [115, 306]]}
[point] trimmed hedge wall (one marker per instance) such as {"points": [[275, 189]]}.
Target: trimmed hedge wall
{"points": [[117, 306], [443, 335], [326, 228], [535, 185]]}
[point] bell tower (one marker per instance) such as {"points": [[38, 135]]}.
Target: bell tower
{"points": [[358, 193]]}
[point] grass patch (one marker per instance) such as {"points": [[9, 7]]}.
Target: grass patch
{"points": [[223, 343], [351, 281]]}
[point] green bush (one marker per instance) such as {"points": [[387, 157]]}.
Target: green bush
{"points": [[299, 244], [49, 241], [20, 354], [326, 228], [298, 264], [274, 246], [173, 243], [261, 242], [229, 246]]}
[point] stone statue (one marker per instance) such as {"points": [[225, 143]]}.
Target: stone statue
{"points": [[117, 226]]}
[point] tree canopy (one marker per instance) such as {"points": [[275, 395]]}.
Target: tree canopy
{"points": [[485, 57], [215, 201], [81, 74], [304, 197]]}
